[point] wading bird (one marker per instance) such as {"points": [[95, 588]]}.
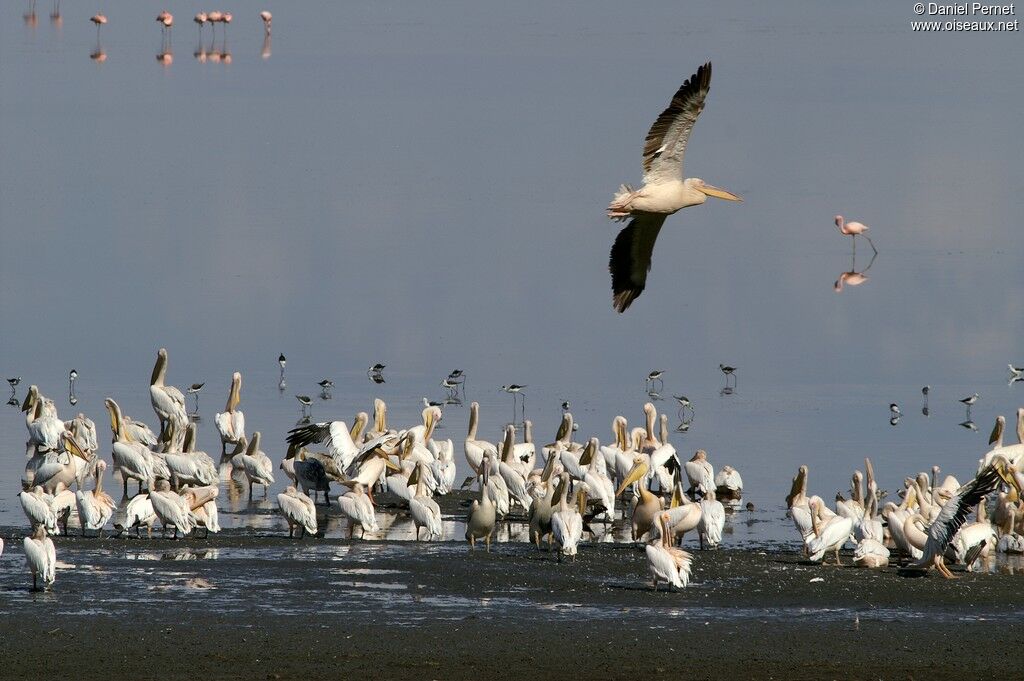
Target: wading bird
{"points": [[99, 20], [852, 229], [663, 193], [267, 17]]}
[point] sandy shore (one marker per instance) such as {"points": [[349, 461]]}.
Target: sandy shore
{"points": [[242, 605]]}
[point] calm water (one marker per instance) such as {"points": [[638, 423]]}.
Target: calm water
{"points": [[424, 185]]}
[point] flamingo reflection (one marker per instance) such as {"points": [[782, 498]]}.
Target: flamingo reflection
{"points": [[853, 277]]}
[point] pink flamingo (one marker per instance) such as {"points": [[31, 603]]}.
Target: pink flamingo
{"points": [[267, 17], [99, 20], [853, 229], [200, 19]]}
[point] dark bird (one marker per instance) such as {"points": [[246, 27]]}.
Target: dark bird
{"points": [[326, 383], [281, 360]]}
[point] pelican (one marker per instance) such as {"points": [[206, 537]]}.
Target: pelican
{"points": [[542, 507], [368, 465], [189, 467], [828, 535], [41, 557], [954, 512], [870, 553], [712, 521], [663, 193], [665, 562], [96, 507], [231, 422], [298, 510], [683, 515], [482, 514], [567, 521], [335, 434], [168, 401], [425, 511], [648, 506], [171, 508], [598, 485], [729, 484], [38, 509], [131, 459], [443, 466], [700, 473], [515, 481], [259, 469], [358, 508], [137, 513], [59, 472], [475, 449]]}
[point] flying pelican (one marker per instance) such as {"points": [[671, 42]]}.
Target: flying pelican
{"points": [[231, 422], [663, 193], [298, 510], [954, 513], [41, 557], [338, 437]]}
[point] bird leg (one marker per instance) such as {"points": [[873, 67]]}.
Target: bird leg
{"points": [[838, 562]]}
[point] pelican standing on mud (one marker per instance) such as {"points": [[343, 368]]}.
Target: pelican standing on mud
{"points": [[663, 193]]}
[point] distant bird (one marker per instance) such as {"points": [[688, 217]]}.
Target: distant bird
{"points": [[326, 383], [894, 410], [72, 375], [99, 20], [195, 388], [663, 193], [565, 405], [377, 378], [455, 374], [684, 401], [267, 17], [925, 390], [166, 20], [969, 401], [281, 361], [305, 401], [514, 388], [200, 19], [1018, 372], [727, 370], [14, 381], [969, 425], [852, 229], [450, 384], [376, 368], [215, 17]]}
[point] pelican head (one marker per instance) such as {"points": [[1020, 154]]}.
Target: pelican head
{"points": [[637, 472], [1010, 475], [30, 400], [708, 190], [234, 397]]}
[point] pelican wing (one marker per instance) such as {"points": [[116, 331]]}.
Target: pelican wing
{"points": [[630, 259], [955, 511], [666, 140]]}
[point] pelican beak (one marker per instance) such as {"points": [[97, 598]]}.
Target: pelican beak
{"points": [[1011, 477], [638, 471], [719, 193], [389, 463], [29, 402], [72, 447], [581, 499]]}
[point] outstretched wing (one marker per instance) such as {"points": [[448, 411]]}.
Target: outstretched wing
{"points": [[630, 259], [666, 140], [955, 511]]}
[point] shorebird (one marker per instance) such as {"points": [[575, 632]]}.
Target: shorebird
{"points": [[684, 401], [326, 384], [565, 406], [266, 17], [969, 401], [728, 371], [852, 229], [894, 410], [193, 390], [72, 375], [281, 361], [663, 193], [305, 401], [925, 390], [455, 374], [99, 20], [514, 388], [200, 19], [450, 385], [654, 376], [376, 368], [1018, 372], [13, 382], [166, 20]]}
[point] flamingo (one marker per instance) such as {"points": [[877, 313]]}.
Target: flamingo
{"points": [[852, 229]]}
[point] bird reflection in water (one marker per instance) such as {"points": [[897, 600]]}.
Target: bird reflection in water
{"points": [[969, 425], [853, 277], [56, 20], [265, 52], [31, 20], [165, 57]]}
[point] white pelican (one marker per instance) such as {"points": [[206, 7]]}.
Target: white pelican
{"points": [[870, 553], [171, 508], [203, 502], [41, 557], [57, 472], [423, 432], [139, 431], [138, 513], [131, 459], [168, 401], [648, 506], [666, 563], [954, 513], [712, 521], [598, 485], [335, 434], [482, 514], [510, 473], [62, 504], [474, 449], [729, 484], [425, 511], [358, 508], [310, 473], [231, 422], [95, 507], [525, 452], [189, 467], [36, 504], [298, 510], [369, 463], [259, 469], [828, 535], [543, 504], [567, 521], [443, 466], [700, 473], [664, 190], [683, 515]]}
